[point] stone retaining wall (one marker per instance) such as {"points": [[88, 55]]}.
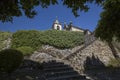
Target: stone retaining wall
{"points": [[98, 50]]}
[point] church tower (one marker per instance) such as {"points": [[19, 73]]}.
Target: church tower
{"points": [[56, 25]]}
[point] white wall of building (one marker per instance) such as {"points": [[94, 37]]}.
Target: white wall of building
{"points": [[75, 29]]}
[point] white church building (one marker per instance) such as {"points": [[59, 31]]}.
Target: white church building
{"points": [[88, 35], [58, 26]]}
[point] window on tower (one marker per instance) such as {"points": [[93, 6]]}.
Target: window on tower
{"points": [[58, 28]]}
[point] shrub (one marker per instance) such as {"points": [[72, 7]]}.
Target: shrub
{"points": [[26, 38], [62, 39], [59, 39], [26, 50], [10, 60]]}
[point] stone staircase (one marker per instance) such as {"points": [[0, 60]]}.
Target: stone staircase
{"points": [[78, 50], [59, 71]]}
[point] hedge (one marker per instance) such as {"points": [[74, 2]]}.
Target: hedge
{"points": [[59, 39]]}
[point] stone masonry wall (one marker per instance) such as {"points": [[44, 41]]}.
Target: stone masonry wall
{"points": [[48, 53], [100, 50]]}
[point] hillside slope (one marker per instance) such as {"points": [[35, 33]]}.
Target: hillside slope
{"points": [[58, 39], [5, 39]]}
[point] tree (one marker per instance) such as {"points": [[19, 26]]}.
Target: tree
{"points": [[16, 8], [108, 28], [109, 24]]}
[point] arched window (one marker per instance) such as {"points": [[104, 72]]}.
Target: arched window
{"points": [[58, 28]]}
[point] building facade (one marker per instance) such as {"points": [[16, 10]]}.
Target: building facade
{"points": [[58, 26]]}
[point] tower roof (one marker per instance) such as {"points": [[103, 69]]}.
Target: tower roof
{"points": [[56, 21]]}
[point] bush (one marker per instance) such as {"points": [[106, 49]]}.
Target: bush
{"points": [[59, 39], [26, 50], [26, 38], [62, 39], [10, 60]]}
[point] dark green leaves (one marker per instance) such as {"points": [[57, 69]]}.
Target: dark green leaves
{"points": [[46, 3], [16, 8], [79, 5], [109, 24], [59, 39], [10, 60], [8, 9]]}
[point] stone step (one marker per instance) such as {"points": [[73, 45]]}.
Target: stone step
{"points": [[47, 73], [57, 74], [62, 71], [52, 62], [55, 65], [68, 77], [58, 69]]}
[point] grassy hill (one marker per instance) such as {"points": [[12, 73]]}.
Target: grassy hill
{"points": [[34, 39], [29, 40]]}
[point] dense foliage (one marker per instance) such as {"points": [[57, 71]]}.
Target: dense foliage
{"points": [[4, 36], [109, 24], [34, 39], [10, 60], [62, 39], [26, 38], [26, 50]]}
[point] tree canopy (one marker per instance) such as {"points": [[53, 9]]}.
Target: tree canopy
{"points": [[17, 8], [109, 24]]}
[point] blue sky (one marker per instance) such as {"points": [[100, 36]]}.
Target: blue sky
{"points": [[45, 18]]}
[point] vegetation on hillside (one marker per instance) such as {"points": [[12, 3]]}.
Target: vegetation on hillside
{"points": [[109, 24], [34, 39], [26, 38], [62, 39], [3, 36], [26, 50]]}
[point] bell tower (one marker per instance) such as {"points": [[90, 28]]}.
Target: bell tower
{"points": [[56, 25]]}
